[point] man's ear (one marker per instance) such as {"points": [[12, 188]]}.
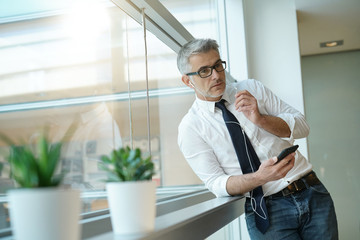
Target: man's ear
{"points": [[186, 80]]}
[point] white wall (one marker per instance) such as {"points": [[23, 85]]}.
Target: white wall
{"points": [[273, 50], [332, 97]]}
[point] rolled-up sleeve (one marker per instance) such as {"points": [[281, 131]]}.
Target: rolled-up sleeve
{"points": [[297, 124], [276, 107], [202, 159]]}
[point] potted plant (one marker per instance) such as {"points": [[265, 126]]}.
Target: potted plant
{"points": [[40, 208], [131, 192]]}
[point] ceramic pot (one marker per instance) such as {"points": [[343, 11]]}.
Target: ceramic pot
{"points": [[132, 206], [45, 213]]}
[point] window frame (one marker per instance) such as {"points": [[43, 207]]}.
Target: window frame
{"points": [[169, 30]]}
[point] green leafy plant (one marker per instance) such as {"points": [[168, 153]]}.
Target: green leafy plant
{"points": [[125, 164], [34, 167]]}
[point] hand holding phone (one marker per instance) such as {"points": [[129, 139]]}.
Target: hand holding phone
{"points": [[286, 152]]}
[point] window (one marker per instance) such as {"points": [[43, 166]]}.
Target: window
{"points": [[58, 70], [64, 63]]}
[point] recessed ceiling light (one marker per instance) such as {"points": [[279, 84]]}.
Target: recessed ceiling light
{"points": [[332, 43]]}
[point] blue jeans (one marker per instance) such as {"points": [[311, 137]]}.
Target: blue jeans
{"points": [[308, 215]]}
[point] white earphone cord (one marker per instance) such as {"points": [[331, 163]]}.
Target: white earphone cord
{"points": [[252, 199]]}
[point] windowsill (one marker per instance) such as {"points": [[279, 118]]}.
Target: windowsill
{"points": [[196, 221], [182, 212]]}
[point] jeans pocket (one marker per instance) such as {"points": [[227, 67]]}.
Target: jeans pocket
{"points": [[248, 209], [247, 206], [320, 188]]}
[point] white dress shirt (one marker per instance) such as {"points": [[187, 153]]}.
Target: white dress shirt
{"points": [[207, 146]]}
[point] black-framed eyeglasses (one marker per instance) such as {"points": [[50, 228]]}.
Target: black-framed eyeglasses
{"points": [[207, 71]]}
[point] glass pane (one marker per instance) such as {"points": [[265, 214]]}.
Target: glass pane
{"points": [[63, 67], [59, 56], [70, 62], [200, 17]]}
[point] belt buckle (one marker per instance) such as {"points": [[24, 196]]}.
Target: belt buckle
{"points": [[299, 185], [297, 188], [293, 188]]}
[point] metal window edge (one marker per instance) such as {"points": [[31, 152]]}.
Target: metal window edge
{"points": [[201, 209], [160, 21], [198, 221], [93, 99]]}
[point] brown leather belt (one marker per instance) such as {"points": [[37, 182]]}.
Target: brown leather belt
{"points": [[303, 183]]}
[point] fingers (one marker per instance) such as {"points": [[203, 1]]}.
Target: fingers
{"points": [[289, 158], [270, 162], [245, 101], [279, 169], [245, 105], [285, 165], [287, 161], [242, 92], [272, 170]]}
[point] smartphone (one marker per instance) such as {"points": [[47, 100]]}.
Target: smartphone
{"points": [[286, 152]]}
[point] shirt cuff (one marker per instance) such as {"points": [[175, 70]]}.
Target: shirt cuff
{"points": [[290, 120], [219, 186]]}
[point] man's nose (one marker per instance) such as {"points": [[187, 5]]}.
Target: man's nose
{"points": [[215, 75]]}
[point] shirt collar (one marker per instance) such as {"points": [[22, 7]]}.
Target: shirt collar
{"points": [[229, 96]]}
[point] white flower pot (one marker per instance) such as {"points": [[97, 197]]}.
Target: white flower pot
{"points": [[132, 206], [45, 213]]}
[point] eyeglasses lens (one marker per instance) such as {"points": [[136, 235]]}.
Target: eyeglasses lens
{"points": [[206, 72]]}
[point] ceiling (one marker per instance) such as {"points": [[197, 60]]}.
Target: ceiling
{"points": [[328, 20]]}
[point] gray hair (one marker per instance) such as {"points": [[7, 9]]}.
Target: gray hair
{"points": [[191, 48]]}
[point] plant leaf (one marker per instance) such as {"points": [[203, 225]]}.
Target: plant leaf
{"points": [[32, 168], [125, 164]]}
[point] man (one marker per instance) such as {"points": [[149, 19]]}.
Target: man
{"points": [[293, 204]]}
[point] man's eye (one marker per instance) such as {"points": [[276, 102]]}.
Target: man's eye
{"points": [[219, 66], [205, 71]]}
